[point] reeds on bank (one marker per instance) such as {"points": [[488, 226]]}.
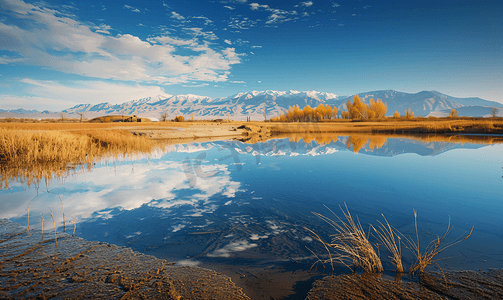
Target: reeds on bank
{"points": [[351, 244], [34, 155]]}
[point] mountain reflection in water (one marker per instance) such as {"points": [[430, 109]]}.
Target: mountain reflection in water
{"points": [[239, 207]]}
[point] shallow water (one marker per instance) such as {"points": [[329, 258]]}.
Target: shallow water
{"points": [[242, 208]]}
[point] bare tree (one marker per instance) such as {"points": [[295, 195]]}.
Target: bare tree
{"points": [[409, 114], [494, 112], [81, 114], [62, 115], [164, 116]]}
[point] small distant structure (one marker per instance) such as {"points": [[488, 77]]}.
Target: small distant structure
{"points": [[133, 118], [119, 118]]}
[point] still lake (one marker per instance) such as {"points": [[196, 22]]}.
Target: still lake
{"points": [[243, 209]]}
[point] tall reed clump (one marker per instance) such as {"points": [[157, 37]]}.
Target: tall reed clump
{"points": [[350, 245], [33, 155]]}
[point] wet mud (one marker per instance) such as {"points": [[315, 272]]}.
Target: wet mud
{"points": [[456, 285], [36, 266]]}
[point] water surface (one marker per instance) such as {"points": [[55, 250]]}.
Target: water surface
{"points": [[243, 208]]}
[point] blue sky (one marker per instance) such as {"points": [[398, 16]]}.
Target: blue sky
{"points": [[56, 54]]}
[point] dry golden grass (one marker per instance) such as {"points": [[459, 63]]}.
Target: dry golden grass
{"points": [[36, 155], [350, 244], [84, 126], [389, 238], [389, 125], [426, 258], [351, 247]]}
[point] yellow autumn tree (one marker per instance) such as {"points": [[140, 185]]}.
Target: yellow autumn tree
{"points": [[320, 112], [396, 115], [309, 113], [333, 112], [358, 110], [378, 107], [298, 114], [454, 113]]}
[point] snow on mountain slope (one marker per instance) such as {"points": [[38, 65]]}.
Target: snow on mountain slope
{"points": [[422, 103], [255, 103]]}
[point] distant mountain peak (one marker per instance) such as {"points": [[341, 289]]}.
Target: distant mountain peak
{"points": [[255, 103]]}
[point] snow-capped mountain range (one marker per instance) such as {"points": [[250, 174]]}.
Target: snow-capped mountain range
{"points": [[253, 104]]}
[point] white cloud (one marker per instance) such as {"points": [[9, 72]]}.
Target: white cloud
{"points": [[71, 46], [277, 15], [206, 20], [9, 102], [195, 85], [177, 16], [335, 4], [244, 23], [229, 7], [256, 6], [228, 42], [103, 28], [4, 60], [60, 96], [305, 4], [238, 81], [133, 9]]}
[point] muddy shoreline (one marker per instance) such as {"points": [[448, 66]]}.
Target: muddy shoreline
{"points": [[36, 266]]}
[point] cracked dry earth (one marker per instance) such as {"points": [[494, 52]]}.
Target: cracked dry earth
{"points": [[34, 266]]}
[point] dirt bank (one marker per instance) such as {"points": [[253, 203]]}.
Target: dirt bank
{"points": [[207, 132], [459, 285], [33, 265]]}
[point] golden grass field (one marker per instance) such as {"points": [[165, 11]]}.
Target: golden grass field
{"points": [[389, 125], [42, 154]]}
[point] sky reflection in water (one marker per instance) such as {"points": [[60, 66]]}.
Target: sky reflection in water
{"points": [[200, 203]]}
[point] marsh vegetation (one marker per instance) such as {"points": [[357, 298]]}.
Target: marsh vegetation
{"points": [[351, 246], [33, 155]]}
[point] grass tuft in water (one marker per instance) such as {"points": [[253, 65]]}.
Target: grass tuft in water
{"points": [[74, 227], [55, 232], [63, 209], [351, 247], [389, 238], [350, 244], [426, 258]]}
